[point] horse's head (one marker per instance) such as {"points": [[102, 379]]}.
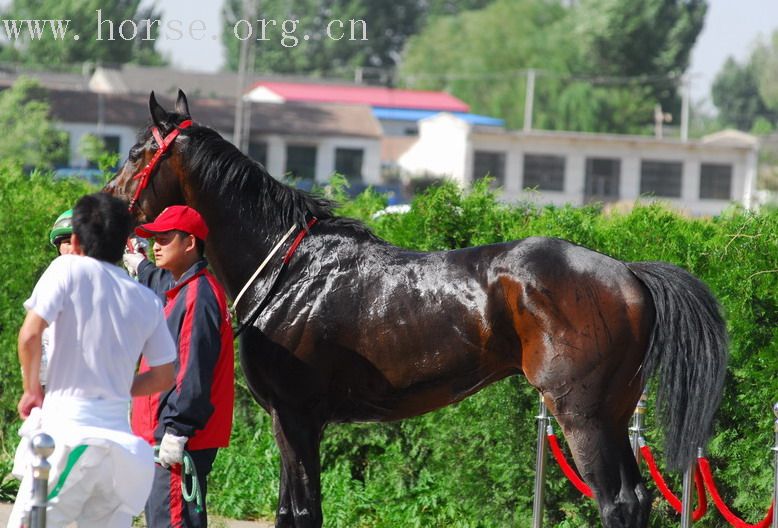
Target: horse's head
{"points": [[152, 177]]}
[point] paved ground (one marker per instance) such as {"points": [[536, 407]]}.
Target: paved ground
{"points": [[215, 522]]}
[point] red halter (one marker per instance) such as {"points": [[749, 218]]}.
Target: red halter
{"points": [[163, 145]]}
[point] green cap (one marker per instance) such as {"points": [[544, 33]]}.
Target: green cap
{"points": [[63, 226]]}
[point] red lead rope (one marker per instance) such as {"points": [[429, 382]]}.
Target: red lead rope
{"points": [[162, 146]]}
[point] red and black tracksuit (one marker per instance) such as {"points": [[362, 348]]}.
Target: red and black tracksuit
{"points": [[199, 406]]}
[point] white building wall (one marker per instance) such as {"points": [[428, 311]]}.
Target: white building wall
{"points": [[276, 149], [76, 132], [276, 156], [442, 149], [325, 155], [446, 146], [575, 177], [514, 172], [396, 127], [629, 185]]}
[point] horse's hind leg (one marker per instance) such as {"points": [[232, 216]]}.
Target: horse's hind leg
{"points": [[603, 456]]}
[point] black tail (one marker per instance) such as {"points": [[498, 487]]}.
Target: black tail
{"points": [[689, 351]]}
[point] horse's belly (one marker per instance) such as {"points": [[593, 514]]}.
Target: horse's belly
{"points": [[412, 388]]}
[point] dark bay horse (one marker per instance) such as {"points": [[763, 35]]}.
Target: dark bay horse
{"points": [[355, 329]]}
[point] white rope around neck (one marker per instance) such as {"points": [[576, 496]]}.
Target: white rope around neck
{"points": [[262, 266]]}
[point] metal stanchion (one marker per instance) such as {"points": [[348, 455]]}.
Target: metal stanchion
{"points": [[42, 446], [540, 466], [638, 422], [686, 498], [775, 469]]}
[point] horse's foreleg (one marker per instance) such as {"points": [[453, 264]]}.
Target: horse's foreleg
{"points": [[298, 437], [284, 511]]}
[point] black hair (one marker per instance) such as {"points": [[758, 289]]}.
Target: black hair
{"points": [[60, 239], [199, 243], [102, 223]]}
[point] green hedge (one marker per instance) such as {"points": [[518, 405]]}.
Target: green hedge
{"points": [[472, 464], [28, 207]]}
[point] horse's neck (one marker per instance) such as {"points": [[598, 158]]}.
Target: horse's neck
{"points": [[239, 240], [236, 246]]}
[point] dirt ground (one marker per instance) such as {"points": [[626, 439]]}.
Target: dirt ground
{"points": [[214, 521]]}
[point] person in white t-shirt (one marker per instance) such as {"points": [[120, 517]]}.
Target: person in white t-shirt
{"points": [[103, 322]]}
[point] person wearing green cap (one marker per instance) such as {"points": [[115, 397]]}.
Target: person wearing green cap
{"points": [[59, 236], [61, 231]]}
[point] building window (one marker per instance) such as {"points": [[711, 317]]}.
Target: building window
{"points": [[112, 144], [301, 162], [546, 173], [489, 163], [661, 178], [348, 162], [602, 180], [258, 152], [716, 181]]}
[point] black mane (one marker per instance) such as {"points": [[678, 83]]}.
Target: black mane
{"points": [[245, 185]]}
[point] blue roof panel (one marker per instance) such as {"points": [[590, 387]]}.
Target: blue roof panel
{"points": [[401, 114]]}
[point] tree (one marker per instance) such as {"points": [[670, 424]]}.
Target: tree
{"points": [[639, 37], [55, 49], [388, 26], [480, 56], [635, 38], [737, 96], [603, 64], [764, 61], [29, 136]]}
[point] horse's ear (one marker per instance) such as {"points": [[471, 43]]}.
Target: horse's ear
{"points": [[182, 106], [158, 114]]}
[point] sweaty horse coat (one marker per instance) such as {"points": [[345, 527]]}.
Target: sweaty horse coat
{"points": [[354, 328]]}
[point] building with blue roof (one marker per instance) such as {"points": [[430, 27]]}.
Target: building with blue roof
{"points": [[404, 121]]}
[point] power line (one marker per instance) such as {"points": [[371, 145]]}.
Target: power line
{"points": [[604, 80]]}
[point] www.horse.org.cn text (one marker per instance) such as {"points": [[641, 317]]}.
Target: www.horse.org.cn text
{"points": [[287, 32]]}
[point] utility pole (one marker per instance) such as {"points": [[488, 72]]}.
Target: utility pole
{"points": [[686, 85], [528, 100], [245, 136], [246, 54], [660, 118]]}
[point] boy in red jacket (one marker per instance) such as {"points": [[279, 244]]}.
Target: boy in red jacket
{"points": [[196, 414]]}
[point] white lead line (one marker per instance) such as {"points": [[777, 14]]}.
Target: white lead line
{"points": [[262, 266]]}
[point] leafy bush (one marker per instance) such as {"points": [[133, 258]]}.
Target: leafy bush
{"points": [[28, 208], [471, 464]]}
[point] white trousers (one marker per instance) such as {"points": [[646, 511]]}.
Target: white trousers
{"points": [[86, 495], [101, 474]]}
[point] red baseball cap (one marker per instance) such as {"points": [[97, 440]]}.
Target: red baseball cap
{"points": [[175, 218]]}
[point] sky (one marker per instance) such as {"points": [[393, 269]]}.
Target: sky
{"points": [[731, 30]]}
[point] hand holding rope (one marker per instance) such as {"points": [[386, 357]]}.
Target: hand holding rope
{"points": [[188, 469]]}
